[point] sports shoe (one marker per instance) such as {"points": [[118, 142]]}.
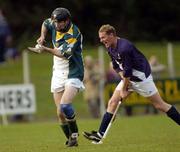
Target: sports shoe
{"points": [[73, 140], [94, 136]]}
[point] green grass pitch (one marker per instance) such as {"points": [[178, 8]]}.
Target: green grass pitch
{"points": [[127, 134]]}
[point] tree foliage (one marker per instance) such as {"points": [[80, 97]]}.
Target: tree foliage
{"points": [[135, 19]]}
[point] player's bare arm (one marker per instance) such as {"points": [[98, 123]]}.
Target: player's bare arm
{"points": [[42, 38], [125, 80], [54, 51], [124, 90]]}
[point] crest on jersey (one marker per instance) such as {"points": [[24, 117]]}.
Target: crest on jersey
{"points": [[119, 57]]}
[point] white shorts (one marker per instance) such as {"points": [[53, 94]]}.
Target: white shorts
{"points": [[145, 88], [58, 84]]}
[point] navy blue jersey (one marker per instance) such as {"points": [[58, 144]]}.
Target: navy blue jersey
{"points": [[128, 59]]}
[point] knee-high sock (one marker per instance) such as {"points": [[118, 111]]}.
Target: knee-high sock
{"points": [[174, 114], [105, 122], [65, 129], [73, 126], [68, 111]]}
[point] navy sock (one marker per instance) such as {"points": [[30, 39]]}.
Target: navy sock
{"points": [[105, 122], [174, 114]]}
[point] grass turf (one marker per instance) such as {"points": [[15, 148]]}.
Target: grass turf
{"points": [[127, 134]]}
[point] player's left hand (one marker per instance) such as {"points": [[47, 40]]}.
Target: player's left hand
{"points": [[41, 40], [37, 49]]}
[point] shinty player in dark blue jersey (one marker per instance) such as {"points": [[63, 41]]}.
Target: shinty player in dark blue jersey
{"points": [[135, 73]]}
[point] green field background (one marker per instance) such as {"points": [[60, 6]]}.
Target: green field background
{"points": [[41, 69], [127, 134]]}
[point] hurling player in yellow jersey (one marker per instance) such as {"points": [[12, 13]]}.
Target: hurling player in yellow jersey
{"points": [[68, 68]]}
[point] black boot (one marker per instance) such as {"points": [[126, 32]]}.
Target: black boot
{"points": [[74, 133]]}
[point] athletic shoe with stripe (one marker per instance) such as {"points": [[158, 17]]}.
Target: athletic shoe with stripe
{"points": [[94, 136]]}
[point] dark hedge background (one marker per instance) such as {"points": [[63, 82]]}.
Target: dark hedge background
{"points": [[151, 20]]}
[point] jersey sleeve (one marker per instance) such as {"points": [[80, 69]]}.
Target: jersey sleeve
{"points": [[48, 24]]}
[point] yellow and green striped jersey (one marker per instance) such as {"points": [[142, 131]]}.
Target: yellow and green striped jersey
{"points": [[70, 45]]}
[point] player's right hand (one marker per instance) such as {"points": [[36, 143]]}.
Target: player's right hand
{"points": [[41, 40], [124, 93]]}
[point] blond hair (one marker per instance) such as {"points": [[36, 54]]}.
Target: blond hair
{"points": [[108, 29]]}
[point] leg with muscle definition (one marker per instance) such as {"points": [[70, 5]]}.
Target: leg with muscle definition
{"points": [[63, 123], [161, 105], [69, 113], [112, 104]]}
